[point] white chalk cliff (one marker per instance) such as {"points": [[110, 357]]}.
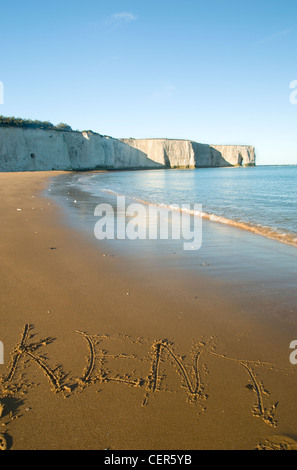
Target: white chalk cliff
{"points": [[27, 149], [186, 153]]}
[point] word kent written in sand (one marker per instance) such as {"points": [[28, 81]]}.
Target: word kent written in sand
{"points": [[162, 369]]}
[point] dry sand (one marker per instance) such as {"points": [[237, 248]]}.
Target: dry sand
{"points": [[99, 355]]}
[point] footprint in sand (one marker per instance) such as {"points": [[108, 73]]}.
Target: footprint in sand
{"points": [[277, 443]]}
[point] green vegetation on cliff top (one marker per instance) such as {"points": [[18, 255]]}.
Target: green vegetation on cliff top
{"points": [[28, 123]]}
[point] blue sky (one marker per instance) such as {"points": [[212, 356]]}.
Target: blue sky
{"points": [[217, 72]]}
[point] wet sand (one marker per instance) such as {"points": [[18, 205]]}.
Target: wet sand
{"points": [[100, 354]]}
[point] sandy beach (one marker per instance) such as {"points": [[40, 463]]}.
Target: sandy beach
{"points": [[99, 354]]}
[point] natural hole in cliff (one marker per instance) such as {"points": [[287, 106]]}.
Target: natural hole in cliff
{"points": [[240, 160], [33, 155]]}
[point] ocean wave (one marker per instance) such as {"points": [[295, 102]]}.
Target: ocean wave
{"points": [[256, 228]]}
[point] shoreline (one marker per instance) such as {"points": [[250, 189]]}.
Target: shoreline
{"points": [[281, 235], [54, 279], [245, 262]]}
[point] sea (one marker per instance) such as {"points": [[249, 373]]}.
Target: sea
{"points": [[263, 199], [248, 214]]}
